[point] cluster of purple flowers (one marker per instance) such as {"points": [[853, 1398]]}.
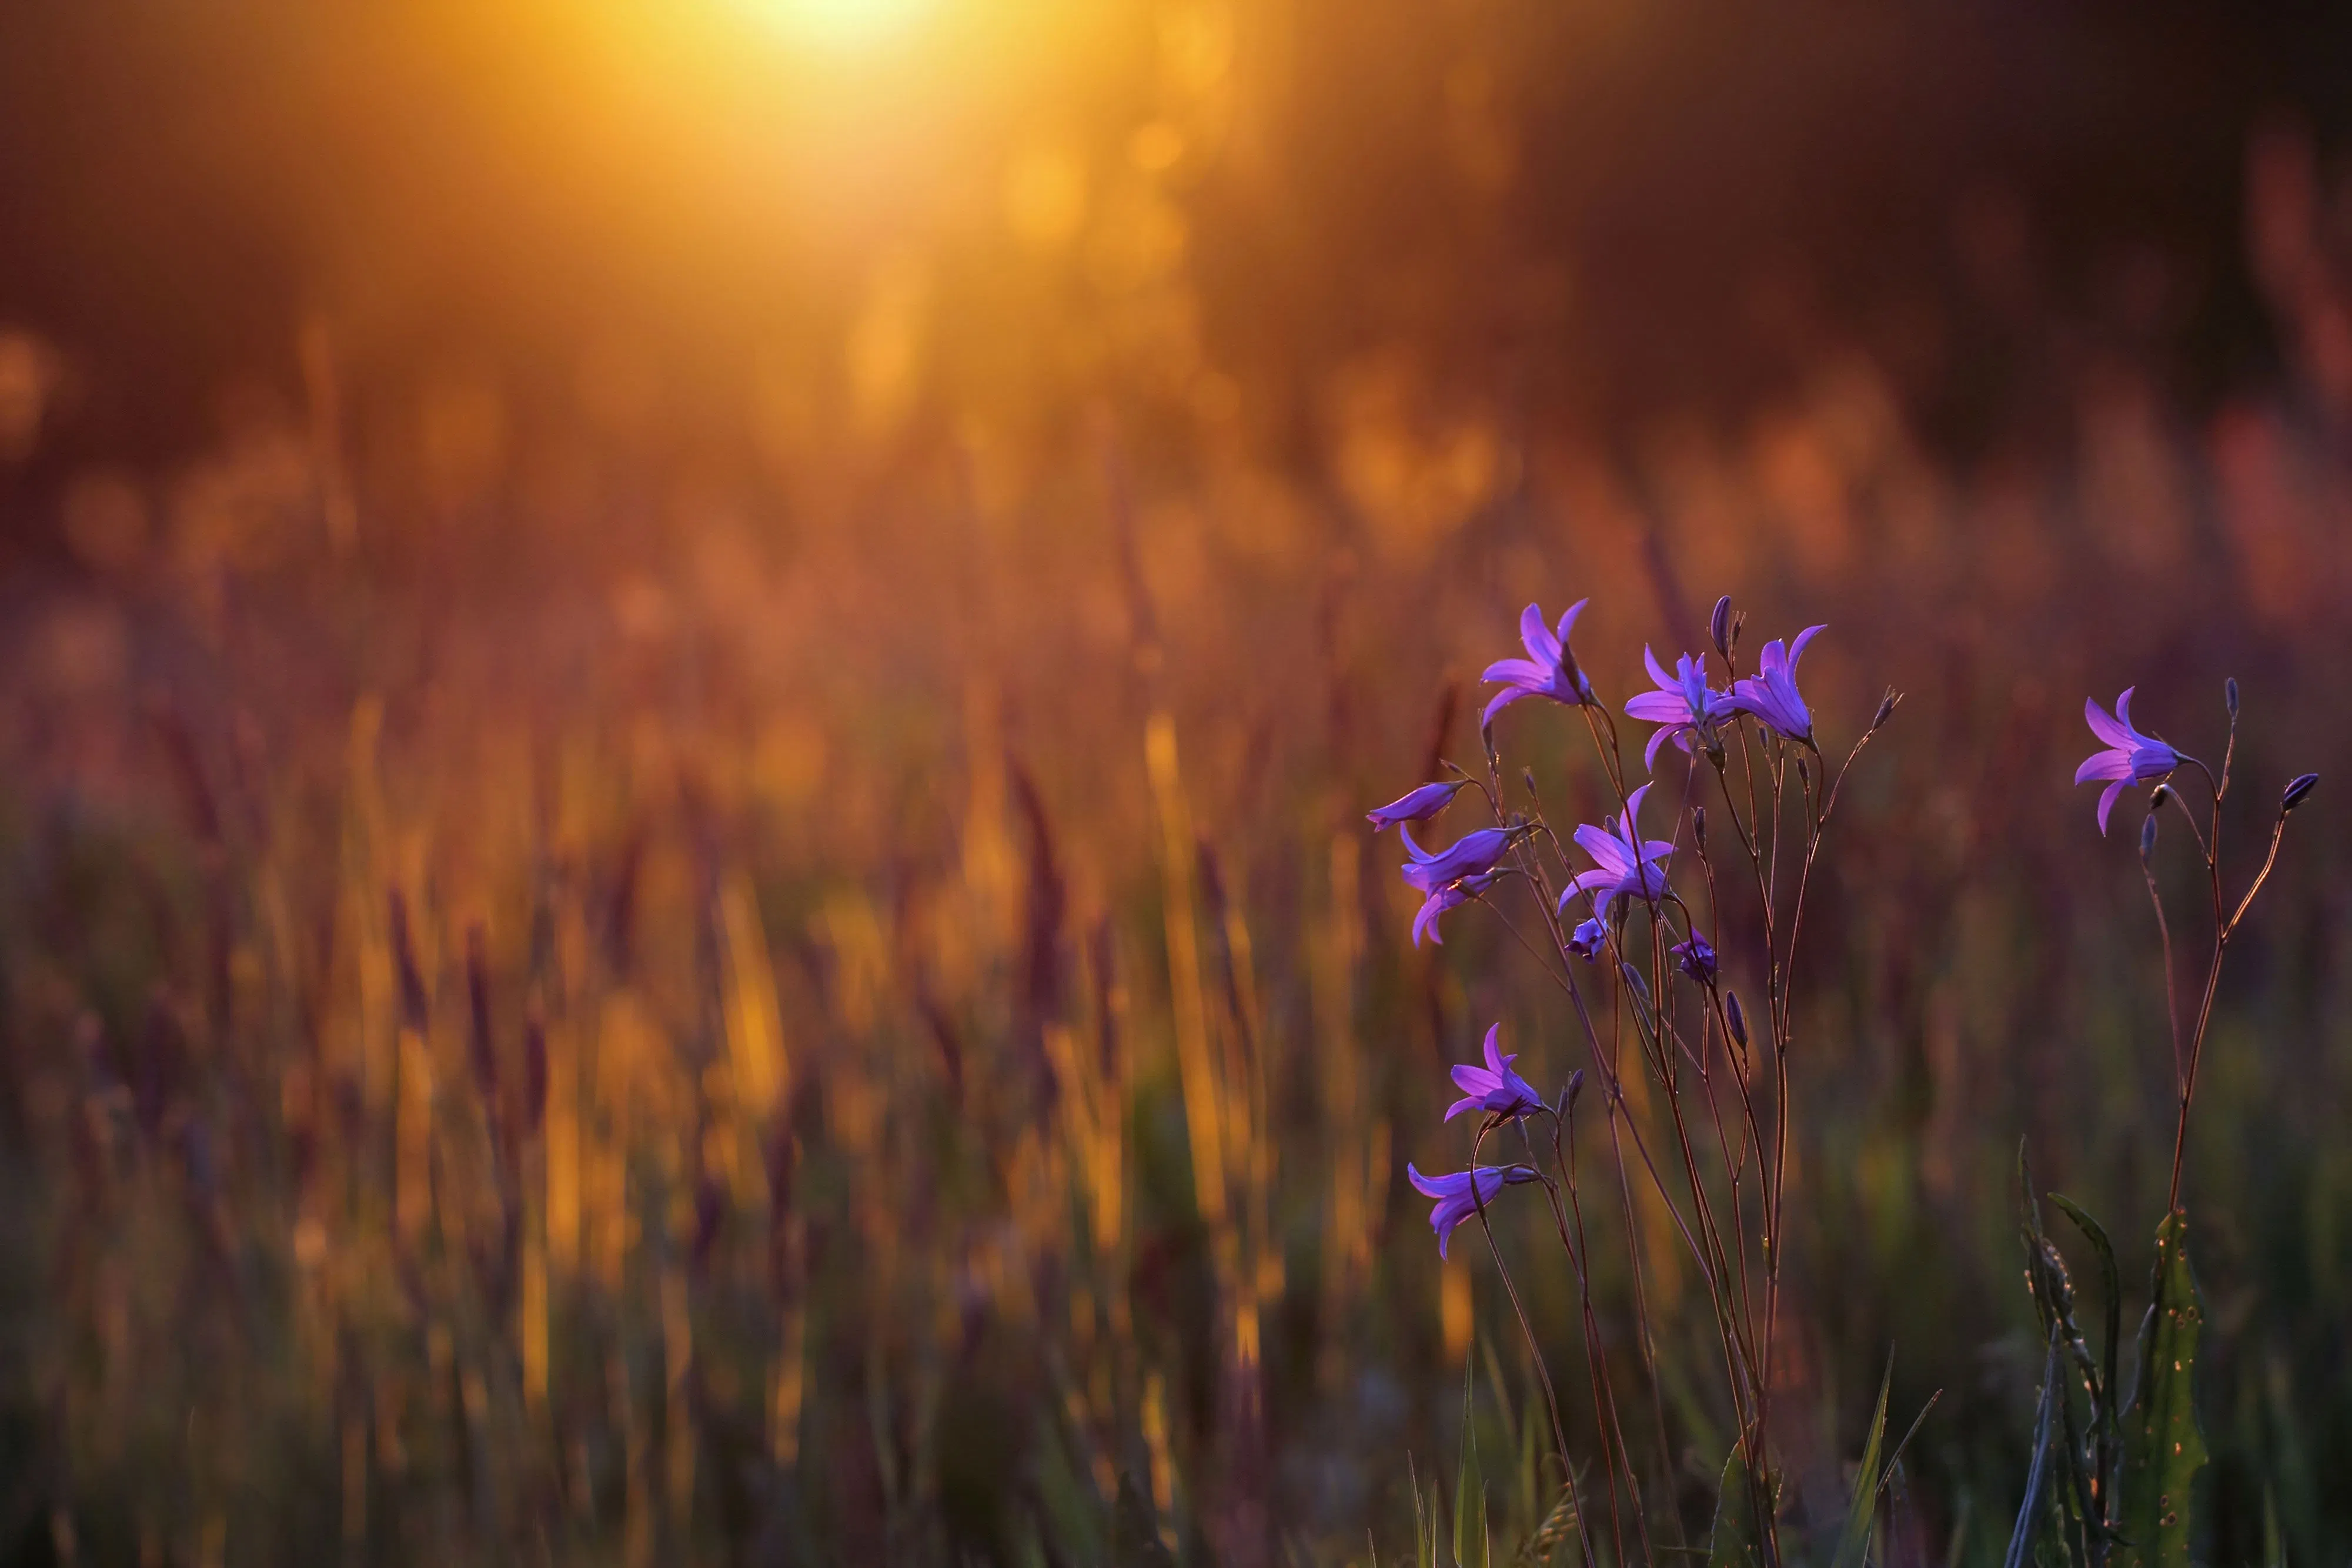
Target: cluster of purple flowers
{"points": [[1687, 711]]}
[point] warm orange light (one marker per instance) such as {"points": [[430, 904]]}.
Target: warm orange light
{"points": [[841, 23]]}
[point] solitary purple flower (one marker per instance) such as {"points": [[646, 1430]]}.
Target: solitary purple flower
{"points": [[1461, 1193], [1622, 861], [1772, 693], [1493, 1088], [1549, 670], [1587, 940], [1695, 958], [1452, 896], [1683, 706], [1418, 806], [2130, 758]]}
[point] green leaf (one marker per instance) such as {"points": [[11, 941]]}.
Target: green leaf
{"points": [[2163, 1448], [1854, 1541], [1733, 1543], [1135, 1531]]}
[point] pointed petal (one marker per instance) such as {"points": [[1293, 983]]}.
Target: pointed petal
{"points": [[1541, 645], [1650, 753], [1797, 648], [1502, 700], [1607, 849], [2123, 710], [1568, 621], [2106, 728], [1658, 707], [1469, 1104], [1633, 809], [2112, 763], [1496, 1062], [1520, 672], [1657, 671]]}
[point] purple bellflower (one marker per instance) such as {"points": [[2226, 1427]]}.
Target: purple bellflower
{"points": [[1683, 706], [1695, 958], [1550, 670], [1493, 1088], [1452, 876], [1587, 940], [1461, 1193], [1772, 693], [1444, 900], [1417, 806], [2130, 758], [1622, 861]]}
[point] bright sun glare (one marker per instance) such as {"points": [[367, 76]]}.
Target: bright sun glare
{"points": [[841, 23]]}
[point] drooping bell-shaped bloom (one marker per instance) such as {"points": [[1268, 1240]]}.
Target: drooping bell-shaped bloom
{"points": [[1623, 864], [1587, 940], [2130, 758], [1550, 669], [1684, 706], [1415, 806], [1445, 899], [1772, 693], [1461, 1193], [1695, 958], [1452, 876], [1493, 1088]]}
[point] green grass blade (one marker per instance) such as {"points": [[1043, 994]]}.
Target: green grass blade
{"points": [[2037, 1477], [1854, 1541], [1469, 1485], [2164, 1449]]}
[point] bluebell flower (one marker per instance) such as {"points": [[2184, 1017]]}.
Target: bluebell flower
{"points": [[1493, 1088], [1624, 863], [1772, 693], [1588, 939], [1416, 806], [2130, 758], [1695, 958], [1684, 706], [1461, 1193], [1549, 670]]}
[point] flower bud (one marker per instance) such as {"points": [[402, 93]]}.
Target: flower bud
{"points": [[2147, 839], [1887, 706], [1804, 774], [1698, 827], [1567, 1095], [2304, 785], [1634, 981], [1528, 777], [2230, 696], [2157, 797], [1718, 626], [1733, 1018]]}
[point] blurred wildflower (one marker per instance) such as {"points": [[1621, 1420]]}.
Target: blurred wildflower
{"points": [[1772, 693], [1695, 958], [1417, 806], [1550, 669], [1623, 861], [2130, 758], [1461, 1193], [1683, 706], [1587, 940], [1493, 1088]]}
